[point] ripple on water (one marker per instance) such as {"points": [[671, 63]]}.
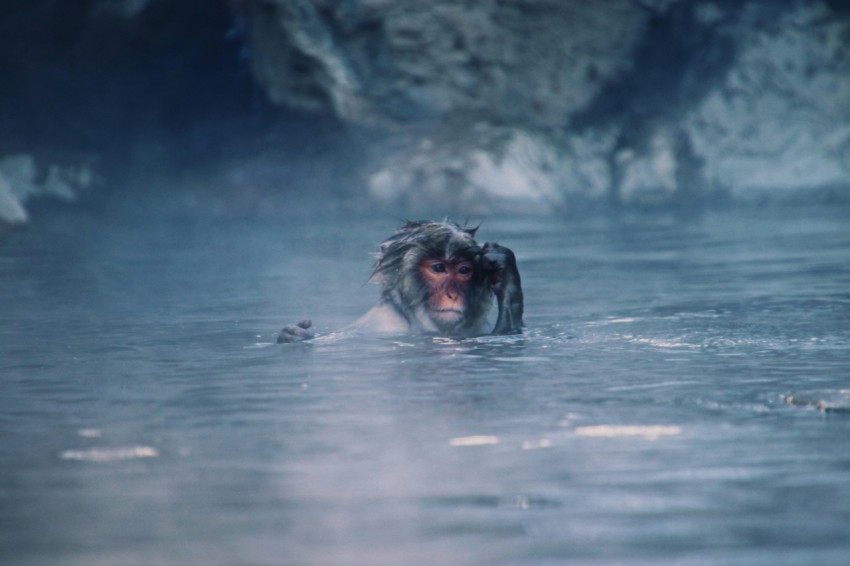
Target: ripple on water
{"points": [[110, 454], [825, 400]]}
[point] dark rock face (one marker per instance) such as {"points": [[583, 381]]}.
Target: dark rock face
{"points": [[89, 87], [542, 104], [531, 63]]}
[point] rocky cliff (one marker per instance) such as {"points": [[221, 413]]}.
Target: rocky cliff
{"points": [[544, 103], [533, 105]]}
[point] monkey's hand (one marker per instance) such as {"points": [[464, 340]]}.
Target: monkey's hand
{"points": [[295, 333], [499, 263]]}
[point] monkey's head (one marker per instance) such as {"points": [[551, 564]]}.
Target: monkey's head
{"points": [[431, 272]]}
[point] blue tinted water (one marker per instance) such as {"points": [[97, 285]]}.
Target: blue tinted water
{"points": [[661, 408]]}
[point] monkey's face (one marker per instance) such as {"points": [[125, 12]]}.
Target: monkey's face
{"points": [[447, 281], [431, 273]]}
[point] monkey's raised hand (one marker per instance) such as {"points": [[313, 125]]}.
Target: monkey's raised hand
{"points": [[295, 332], [499, 263]]}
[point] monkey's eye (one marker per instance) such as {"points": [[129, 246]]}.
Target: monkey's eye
{"points": [[438, 267], [465, 270]]}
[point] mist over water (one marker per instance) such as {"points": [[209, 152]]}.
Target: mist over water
{"points": [[680, 395], [179, 180]]}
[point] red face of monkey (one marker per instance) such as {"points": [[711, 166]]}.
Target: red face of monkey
{"points": [[431, 275], [448, 282]]}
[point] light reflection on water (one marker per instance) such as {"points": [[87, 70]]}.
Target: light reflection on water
{"points": [[678, 397]]}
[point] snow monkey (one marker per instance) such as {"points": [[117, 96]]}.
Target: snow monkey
{"points": [[436, 279]]}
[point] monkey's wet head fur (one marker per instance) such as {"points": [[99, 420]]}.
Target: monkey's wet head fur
{"points": [[397, 270]]}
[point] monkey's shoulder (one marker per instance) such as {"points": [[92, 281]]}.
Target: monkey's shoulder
{"points": [[381, 320]]}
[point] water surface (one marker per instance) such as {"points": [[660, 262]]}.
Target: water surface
{"points": [[679, 396]]}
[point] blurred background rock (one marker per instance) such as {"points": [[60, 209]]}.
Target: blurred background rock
{"points": [[258, 106]]}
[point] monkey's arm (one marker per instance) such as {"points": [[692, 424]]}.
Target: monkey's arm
{"points": [[381, 320], [295, 333], [505, 282]]}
